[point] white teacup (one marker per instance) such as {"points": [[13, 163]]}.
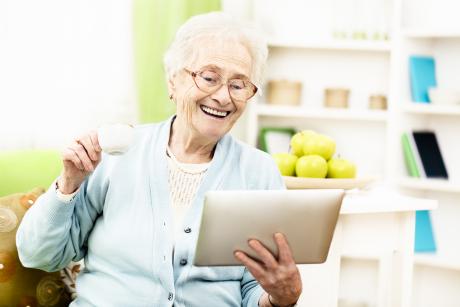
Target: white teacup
{"points": [[115, 139]]}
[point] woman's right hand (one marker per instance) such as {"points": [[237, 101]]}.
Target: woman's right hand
{"points": [[79, 159]]}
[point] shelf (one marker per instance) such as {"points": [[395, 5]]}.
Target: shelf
{"points": [[430, 34], [429, 109], [436, 185], [303, 112], [436, 262], [363, 255], [384, 201], [338, 45]]}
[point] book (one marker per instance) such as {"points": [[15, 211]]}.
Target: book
{"points": [[418, 161], [409, 156], [422, 71], [424, 237], [430, 154]]}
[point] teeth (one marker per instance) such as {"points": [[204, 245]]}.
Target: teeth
{"points": [[214, 112]]}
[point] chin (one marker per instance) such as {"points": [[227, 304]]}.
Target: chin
{"points": [[214, 134], [212, 130]]}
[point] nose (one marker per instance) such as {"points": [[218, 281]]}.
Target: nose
{"points": [[222, 95]]}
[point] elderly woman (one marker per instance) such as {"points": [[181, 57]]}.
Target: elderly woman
{"points": [[134, 218]]}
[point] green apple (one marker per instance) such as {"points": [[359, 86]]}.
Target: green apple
{"points": [[298, 141], [319, 144], [286, 163], [340, 168], [313, 166]]}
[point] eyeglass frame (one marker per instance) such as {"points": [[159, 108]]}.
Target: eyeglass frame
{"points": [[195, 74]]}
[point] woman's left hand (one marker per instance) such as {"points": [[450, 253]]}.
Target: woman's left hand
{"points": [[280, 278]]}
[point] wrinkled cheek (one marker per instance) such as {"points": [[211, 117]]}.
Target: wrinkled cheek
{"points": [[237, 116], [188, 107]]}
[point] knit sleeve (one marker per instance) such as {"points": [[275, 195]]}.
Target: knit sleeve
{"points": [[54, 232]]}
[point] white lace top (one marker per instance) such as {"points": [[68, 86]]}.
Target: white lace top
{"points": [[184, 180]]}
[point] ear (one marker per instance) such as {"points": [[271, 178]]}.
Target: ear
{"points": [[171, 86]]}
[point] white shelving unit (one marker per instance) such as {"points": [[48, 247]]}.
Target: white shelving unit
{"points": [[436, 262], [434, 185], [302, 49], [320, 113], [338, 45], [428, 109], [433, 34], [436, 275]]}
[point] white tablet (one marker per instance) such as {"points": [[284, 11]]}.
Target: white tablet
{"points": [[230, 218]]}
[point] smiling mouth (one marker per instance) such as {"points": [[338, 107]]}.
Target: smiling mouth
{"points": [[213, 112]]}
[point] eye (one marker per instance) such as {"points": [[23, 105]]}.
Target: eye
{"points": [[210, 77], [237, 84]]}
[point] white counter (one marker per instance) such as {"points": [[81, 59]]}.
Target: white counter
{"points": [[370, 261], [383, 201]]}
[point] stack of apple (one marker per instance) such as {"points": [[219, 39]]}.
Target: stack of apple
{"points": [[312, 156]]}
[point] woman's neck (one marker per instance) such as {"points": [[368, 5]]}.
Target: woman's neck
{"points": [[187, 146]]}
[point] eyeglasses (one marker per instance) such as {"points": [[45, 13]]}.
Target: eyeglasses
{"points": [[209, 82]]}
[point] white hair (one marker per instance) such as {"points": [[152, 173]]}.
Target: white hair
{"points": [[221, 28]]}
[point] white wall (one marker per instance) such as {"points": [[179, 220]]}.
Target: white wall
{"points": [[66, 67]]}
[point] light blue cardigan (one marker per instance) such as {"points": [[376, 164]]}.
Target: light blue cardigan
{"points": [[120, 222]]}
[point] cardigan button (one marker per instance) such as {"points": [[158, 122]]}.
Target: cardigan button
{"points": [[188, 230], [183, 262], [170, 296]]}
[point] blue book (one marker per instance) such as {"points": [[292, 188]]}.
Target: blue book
{"points": [[424, 239], [422, 76]]}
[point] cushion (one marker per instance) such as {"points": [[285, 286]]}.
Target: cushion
{"points": [[20, 286]]}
